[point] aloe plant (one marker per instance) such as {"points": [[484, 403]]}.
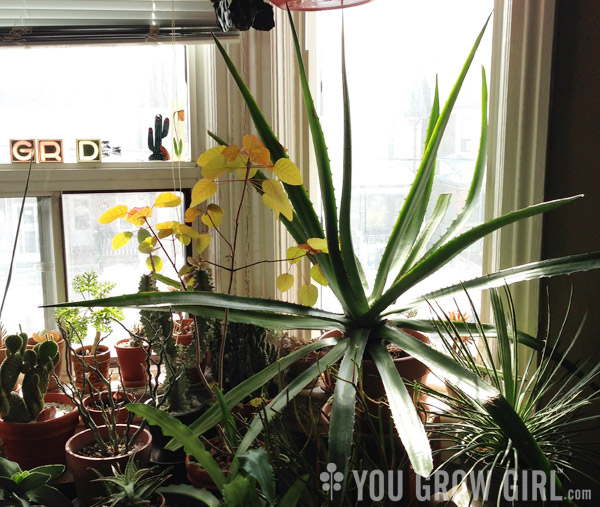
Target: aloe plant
{"points": [[370, 321]]}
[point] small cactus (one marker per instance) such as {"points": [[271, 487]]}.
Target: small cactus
{"points": [[161, 129], [36, 365]]}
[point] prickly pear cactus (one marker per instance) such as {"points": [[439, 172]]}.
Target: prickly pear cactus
{"points": [[155, 137], [36, 365]]}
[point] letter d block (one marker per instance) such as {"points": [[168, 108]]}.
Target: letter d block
{"points": [[89, 150], [22, 150], [50, 150]]}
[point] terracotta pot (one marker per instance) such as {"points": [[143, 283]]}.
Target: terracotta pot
{"points": [[197, 475], [101, 361], [132, 363], [80, 466], [58, 369], [40, 443], [96, 409]]}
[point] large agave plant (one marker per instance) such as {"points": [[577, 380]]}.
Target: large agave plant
{"points": [[370, 321]]}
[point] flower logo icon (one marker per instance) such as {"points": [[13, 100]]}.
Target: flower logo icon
{"points": [[331, 479]]}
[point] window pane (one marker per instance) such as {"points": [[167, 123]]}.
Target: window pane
{"points": [[88, 245], [25, 294], [392, 68], [111, 93]]}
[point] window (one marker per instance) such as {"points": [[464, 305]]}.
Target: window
{"points": [[392, 79]]}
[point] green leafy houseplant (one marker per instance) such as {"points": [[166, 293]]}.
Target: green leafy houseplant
{"points": [[132, 487], [371, 320], [25, 488], [551, 402]]}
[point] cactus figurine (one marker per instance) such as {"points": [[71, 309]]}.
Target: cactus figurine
{"points": [[36, 365], [155, 137]]}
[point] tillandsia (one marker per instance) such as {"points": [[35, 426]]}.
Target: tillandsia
{"points": [[372, 317]]}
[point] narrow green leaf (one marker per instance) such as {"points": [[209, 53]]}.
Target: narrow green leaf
{"points": [[447, 252], [406, 420], [341, 427], [192, 492], [192, 445], [256, 463], [419, 186], [170, 282], [278, 404], [293, 495], [504, 347], [212, 416]]}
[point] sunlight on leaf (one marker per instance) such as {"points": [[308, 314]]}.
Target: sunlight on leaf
{"points": [[209, 154], [285, 282], [202, 242], [187, 231], [113, 214], [158, 263], [147, 246], [319, 244], [167, 200], [137, 216], [275, 198], [231, 153], [241, 173], [203, 189], [165, 226], [142, 234], [213, 216], [294, 254], [287, 172], [191, 214], [165, 233], [214, 168], [308, 294], [121, 239], [256, 151], [318, 276]]}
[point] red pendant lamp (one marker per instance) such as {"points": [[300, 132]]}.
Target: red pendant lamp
{"points": [[317, 5]]}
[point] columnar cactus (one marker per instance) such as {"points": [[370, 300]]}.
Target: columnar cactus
{"points": [[161, 129], [36, 365]]}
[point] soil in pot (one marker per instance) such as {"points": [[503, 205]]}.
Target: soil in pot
{"points": [[98, 404], [41, 443], [81, 466], [100, 360], [132, 363]]}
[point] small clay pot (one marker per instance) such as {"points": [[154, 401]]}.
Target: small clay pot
{"points": [[40, 443], [132, 363], [101, 361], [95, 406], [81, 466]]}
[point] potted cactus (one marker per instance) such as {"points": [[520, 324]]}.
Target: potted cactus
{"points": [[34, 420]]}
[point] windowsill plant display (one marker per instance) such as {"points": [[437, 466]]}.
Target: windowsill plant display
{"points": [[370, 320]]}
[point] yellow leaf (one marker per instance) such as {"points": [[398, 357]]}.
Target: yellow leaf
{"points": [[285, 282], [113, 214], [186, 240], [214, 167], [163, 226], [241, 173], [202, 242], [203, 189], [187, 231], [213, 216], [209, 154], [256, 151], [137, 216], [191, 214], [294, 254], [121, 239], [165, 233], [167, 200], [318, 276], [318, 244], [147, 246], [287, 172], [231, 153], [308, 294], [275, 198], [158, 263]]}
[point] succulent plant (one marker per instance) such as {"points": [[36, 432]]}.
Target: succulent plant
{"points": [[36, 365]]}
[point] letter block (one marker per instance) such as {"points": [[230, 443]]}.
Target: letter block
{"points": [[89, 150], [22, 150], [50, 150]]}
